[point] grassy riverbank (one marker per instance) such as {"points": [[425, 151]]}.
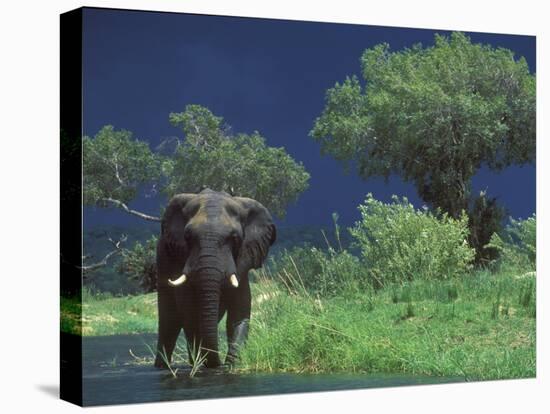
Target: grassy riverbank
{"points": [[105, 314], [480, 326]]}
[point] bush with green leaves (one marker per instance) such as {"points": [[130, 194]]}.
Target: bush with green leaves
{"points": [[139, 263], [517, 244], [319, 272], [399, 243]]}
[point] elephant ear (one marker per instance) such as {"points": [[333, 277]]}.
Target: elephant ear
{"points": [[259, 234], [174, 221]]}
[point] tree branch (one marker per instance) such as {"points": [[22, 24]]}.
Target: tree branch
{"points": [[124, 207], [103, 262], [117, 173]]}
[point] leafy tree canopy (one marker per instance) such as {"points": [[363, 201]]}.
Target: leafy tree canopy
{"points": [[115, 165], [433, 116], [241, 164]]}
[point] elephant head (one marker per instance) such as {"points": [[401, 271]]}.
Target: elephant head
{"points": [[209, 241]]}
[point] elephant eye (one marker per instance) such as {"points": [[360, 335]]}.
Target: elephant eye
{"points": [[235, 238], [235, 242], [187, 234]]}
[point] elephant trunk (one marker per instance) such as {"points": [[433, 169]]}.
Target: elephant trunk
{"points": [[209, 303]]}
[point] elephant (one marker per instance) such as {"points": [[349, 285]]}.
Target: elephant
{"points": [[208, 243]]}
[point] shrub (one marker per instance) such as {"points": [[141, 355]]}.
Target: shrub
{"points": [[399, 243], [517, 244], [139, 263], [320, 272]]}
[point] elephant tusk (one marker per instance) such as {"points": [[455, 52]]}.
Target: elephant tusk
{"points": [[179, 281], [233, 280]]}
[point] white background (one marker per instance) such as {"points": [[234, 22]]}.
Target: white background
{"points": [[29, 235]]}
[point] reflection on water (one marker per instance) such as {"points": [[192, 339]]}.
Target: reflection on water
{"points": [[108, 379]]}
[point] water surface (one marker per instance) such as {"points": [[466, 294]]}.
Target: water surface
{"points": [[112, 377]]}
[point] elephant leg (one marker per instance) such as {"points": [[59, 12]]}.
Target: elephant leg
{"points": [[169, 328], [237, 323], [189, 316], [237, 337]]}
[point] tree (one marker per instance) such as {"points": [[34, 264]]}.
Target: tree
{"points": [[115, 166], [433, 116], [240, 164]]}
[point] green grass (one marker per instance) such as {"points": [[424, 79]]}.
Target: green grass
{"points": [[481, 326], [105, 314], [445, 328]]}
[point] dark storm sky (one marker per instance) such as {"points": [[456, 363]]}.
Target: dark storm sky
{"points": [[258, 74]]}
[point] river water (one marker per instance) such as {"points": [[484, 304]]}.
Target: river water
{"points": [[111, 376]]}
